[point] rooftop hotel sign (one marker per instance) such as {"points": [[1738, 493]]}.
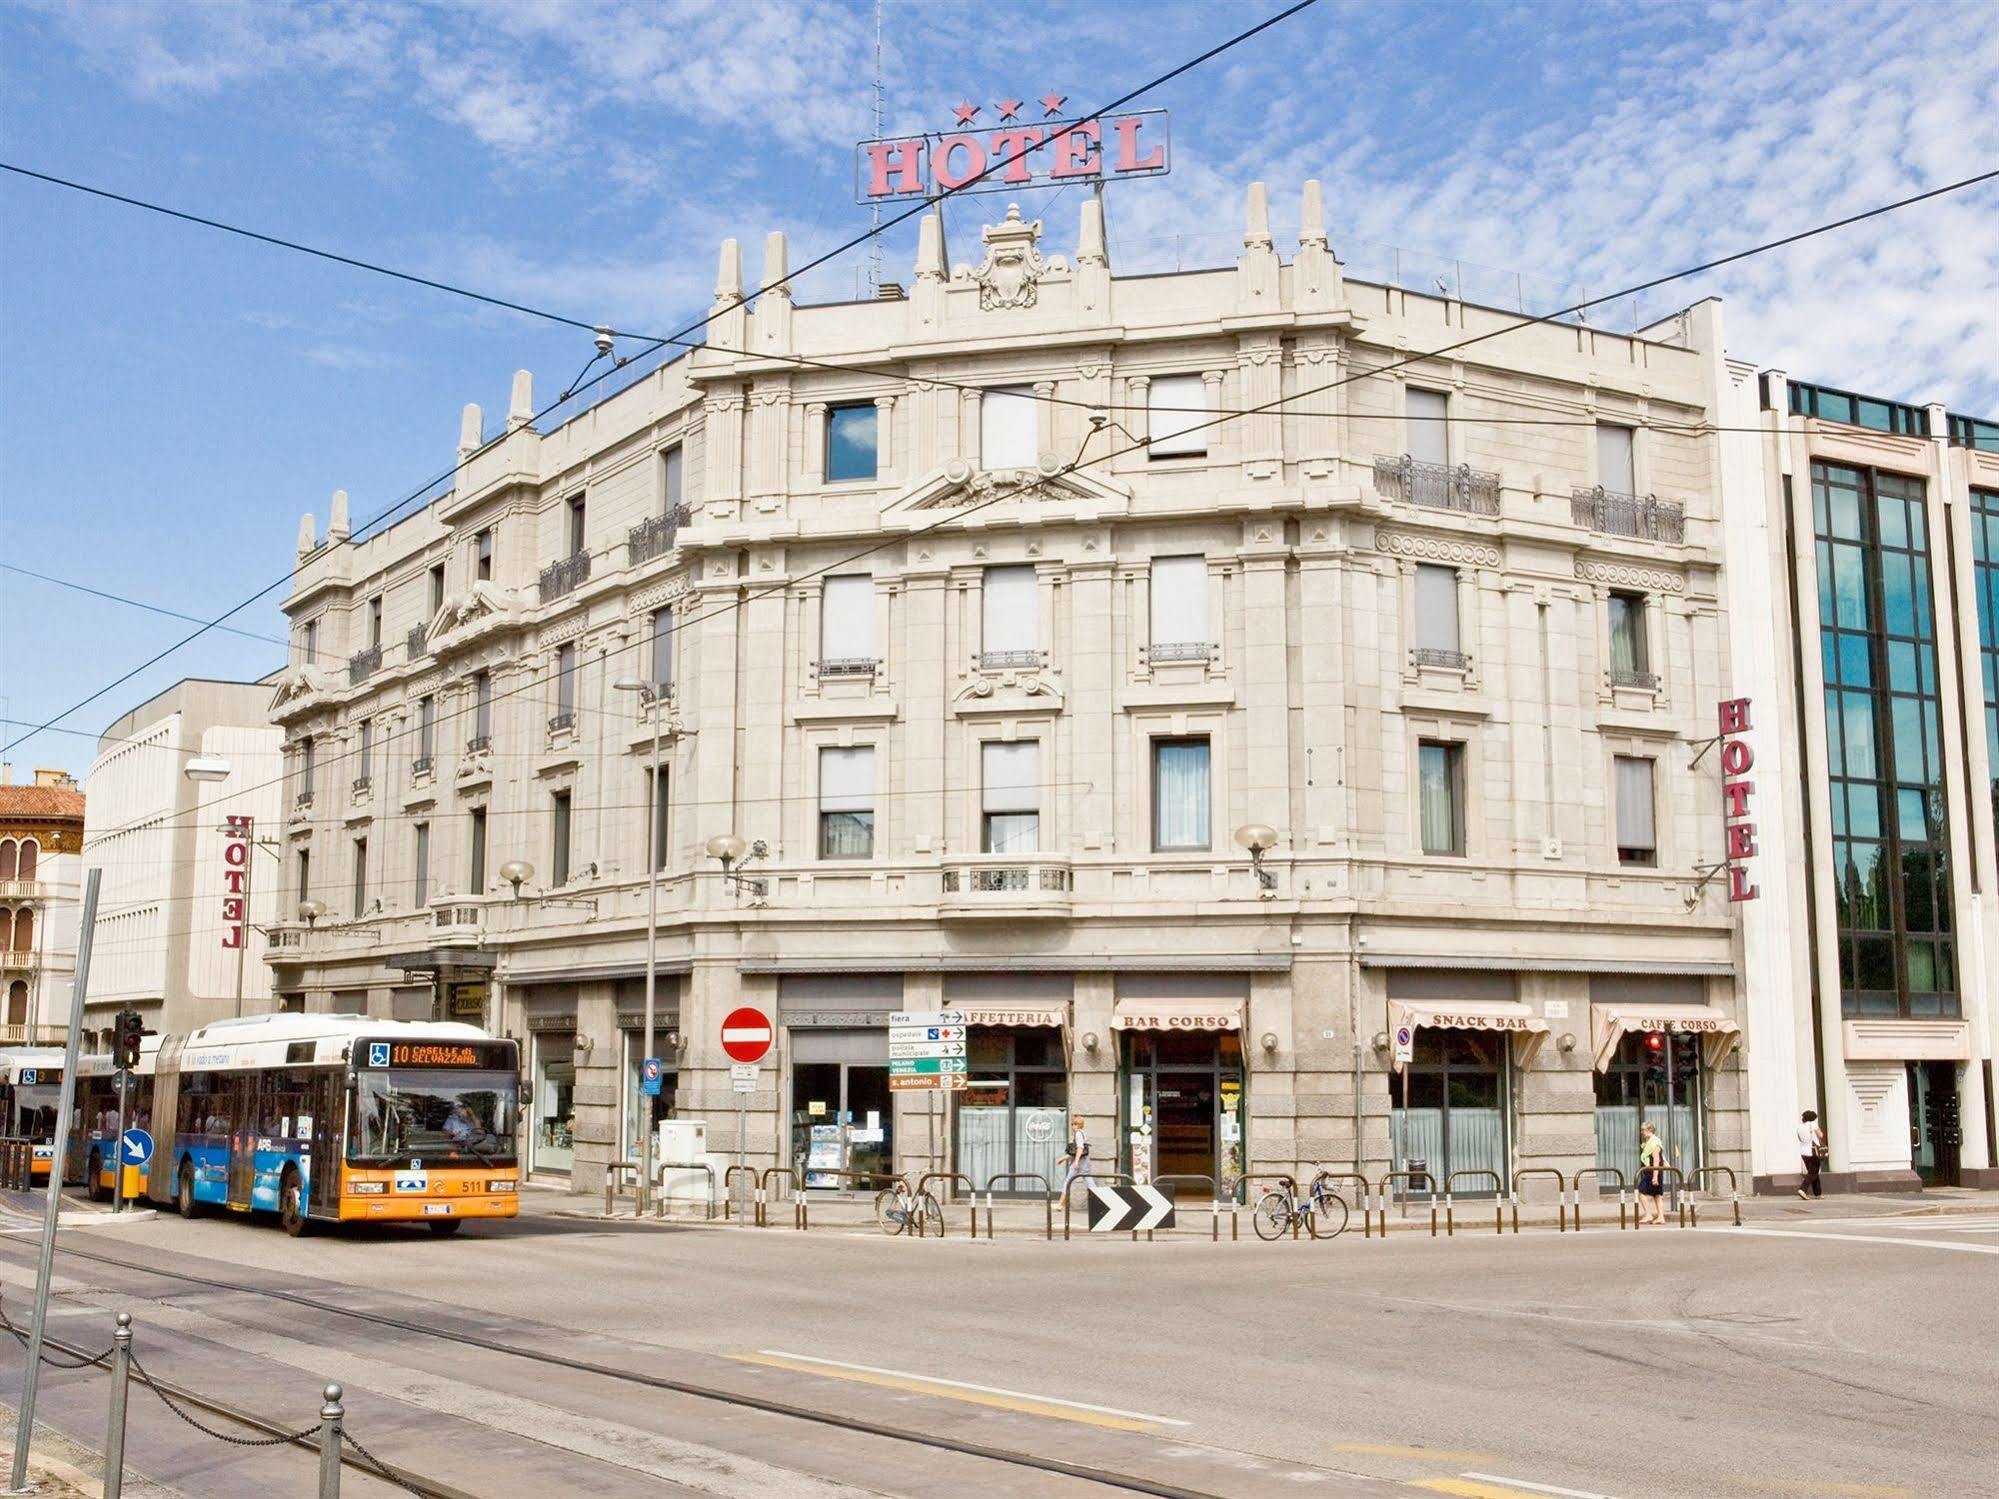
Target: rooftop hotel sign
{"points": [[1013, 153]]}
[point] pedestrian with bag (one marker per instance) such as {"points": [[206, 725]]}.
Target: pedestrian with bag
{"points": [[1076, 1158], [1651, 1175], [1811, 1150]]}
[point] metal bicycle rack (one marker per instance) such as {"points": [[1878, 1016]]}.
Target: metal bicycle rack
{"points": [[1498, 1207], [971, 1196], [1214, 1200], [1680, 1195], [1366, 1219], [790, 1174], [877, 1181], [1411, 1177], [729, 1192], [1702, 1173], [1114, 1178], [1561, 1197], [1598, 1173], [660, 1168], [1047, 1202]]}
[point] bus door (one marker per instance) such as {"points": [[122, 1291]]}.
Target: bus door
{"points": [[240, 1089], [160, 1175], [322, 1117]]}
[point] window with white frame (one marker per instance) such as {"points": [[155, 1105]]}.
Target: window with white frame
{"points": [[1615, 468], [1180, 795], [422, 861], [1010, 633], [565, 686], [847, 625], [1630, 654], [1006, 427], [1177, 417], [670, 468], [360, 878], [662, 649], [852, 444], [482, 711], [1637, 828], [559, 837], [1010, 777], [1179, 609], [1440, 784], [1427, 430], [847, 803], [1437, 637]]}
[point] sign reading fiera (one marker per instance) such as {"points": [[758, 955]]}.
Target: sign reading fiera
{"points": [[1014, 153], [1737, 791]]}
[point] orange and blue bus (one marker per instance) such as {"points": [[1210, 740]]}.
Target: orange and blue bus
{"points": [[324, 1119], [30, 1094]]}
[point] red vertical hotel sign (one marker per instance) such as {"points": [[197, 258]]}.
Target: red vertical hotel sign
{"points": [[1738, 828]]}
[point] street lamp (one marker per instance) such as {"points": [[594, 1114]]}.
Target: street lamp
{"points": [[515, 872], [310, 911], [727, 848], [651, 695], [1259, 838]]}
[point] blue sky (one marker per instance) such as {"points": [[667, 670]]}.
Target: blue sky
{"points": [[174, 399]]}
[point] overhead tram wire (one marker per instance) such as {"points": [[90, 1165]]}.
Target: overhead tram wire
{"points": [[702, 322], [961, 513]]}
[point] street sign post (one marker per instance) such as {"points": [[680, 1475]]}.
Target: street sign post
{"points": [[135, 1148], [1405, 1044], [926, 1050], [746, 1038], [650, 1074], [743, 1076]]}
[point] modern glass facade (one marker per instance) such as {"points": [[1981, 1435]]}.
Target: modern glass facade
{"points": [[1890, 838], [1985, 590]]}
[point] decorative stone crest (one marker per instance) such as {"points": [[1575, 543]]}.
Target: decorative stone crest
{"points": [[1013, 266]]}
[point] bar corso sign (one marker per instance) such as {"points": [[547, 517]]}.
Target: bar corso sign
{"points": [[1013, 153]]}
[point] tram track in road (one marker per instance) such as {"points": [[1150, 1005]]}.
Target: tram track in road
{"points": [[1087, 1473]]}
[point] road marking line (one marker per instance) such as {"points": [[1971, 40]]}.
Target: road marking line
{"points": [[1375, 1449], [1469, 1488], [958, 1389], [1539, 1488], [1796, 1233]]}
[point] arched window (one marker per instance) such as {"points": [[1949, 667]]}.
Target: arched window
{"points": [[24, 930], [17, 1002], [30, 851], [8, 852]]}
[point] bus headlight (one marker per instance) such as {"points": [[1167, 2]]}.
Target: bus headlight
{"points": [[502, 1184], [367, 1189]]}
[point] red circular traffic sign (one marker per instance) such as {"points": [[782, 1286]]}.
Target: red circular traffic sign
{"points": [[746, 1035]]}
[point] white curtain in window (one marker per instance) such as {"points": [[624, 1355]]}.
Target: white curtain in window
{"points": [[847, 779], [1634, 803], [847, 619], [1179, 600], [1613, 459], [662, 644], [1180, 793], [1438, 786], [1012, 776], [1011, 606], [1178, 412], [1627, 633], [1436, 608], [1427, 434], [1006, 427], [565, 679]]}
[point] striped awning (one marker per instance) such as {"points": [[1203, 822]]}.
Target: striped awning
{"points": [[1609, 1024], [1049, 1012], [1177, 1015], [1526, 1029]]}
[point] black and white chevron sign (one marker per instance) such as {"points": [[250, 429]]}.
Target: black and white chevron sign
{"points": [[1116, 1209]]}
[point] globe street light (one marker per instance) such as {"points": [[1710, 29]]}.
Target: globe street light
{"points": [[1259, 838]]}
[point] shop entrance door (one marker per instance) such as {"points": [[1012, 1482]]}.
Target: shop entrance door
{"points": [[554, 1101], [1449, 1110], [1183, 1102], [1935, 1131], [841, 1120]]}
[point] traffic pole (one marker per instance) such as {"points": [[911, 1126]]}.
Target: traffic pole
{"points": [[118, 1145], [24, 1429], [121, 1383]]}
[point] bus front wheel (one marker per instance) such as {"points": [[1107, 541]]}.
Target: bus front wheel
{"points": [[291, 1206], [184, 1202], [98, 1191], [444, 1228]]}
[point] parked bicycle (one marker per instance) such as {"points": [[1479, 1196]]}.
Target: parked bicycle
{"points": [[1322, 1210], [898, 1210]]}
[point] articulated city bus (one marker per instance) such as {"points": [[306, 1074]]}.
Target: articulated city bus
{"points": [[330, 1118], [93, 1147], [30, 1094]]}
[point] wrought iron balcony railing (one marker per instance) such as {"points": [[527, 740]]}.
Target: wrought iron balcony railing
{"points": [[1640, 515], [1424, 655], [564, 577], [361, 784], [848, 666], [363, 665], [1626, 677], [1001, 879], [1008, 660], [1437, 485], [304, 799], [478, 744], [422, 765], [654, 538], [1177, 650], [416, 644], [557, 722]]}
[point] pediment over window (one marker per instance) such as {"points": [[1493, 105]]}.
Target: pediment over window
{"points": [[960, 483]]}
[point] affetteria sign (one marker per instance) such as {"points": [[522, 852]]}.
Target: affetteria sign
{"points": [[1012, 153]]}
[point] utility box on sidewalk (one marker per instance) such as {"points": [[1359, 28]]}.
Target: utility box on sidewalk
{"points": [[683, 1142]]}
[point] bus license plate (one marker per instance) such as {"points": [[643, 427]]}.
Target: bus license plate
{"points": [[437, 1207]]}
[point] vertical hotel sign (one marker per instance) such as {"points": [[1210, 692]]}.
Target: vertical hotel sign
{"points": [[235, 880], [1737, 793]]}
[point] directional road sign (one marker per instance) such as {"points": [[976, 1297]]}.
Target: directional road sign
{"points": [[934, 1081], [909, 1066], [746, 1035], [135, 1147], [1116, 1209], [926, 1049]]}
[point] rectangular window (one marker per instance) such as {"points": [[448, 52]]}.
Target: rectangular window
{"points": [[670, 492], [1985, 606], [851, 443], [1011, 781], [475, 879], [1178, 417], [360, 877], [847, 620], [1440, 776], [426, 728], [364, 752], [1426, 430], [660, 805], [1637, 839], [304, 875], [565, 680], [421, 894], [1010, 623], [436, 592], [374, 622], [847, 803], [482, 556], [1179, 608], [662, 649], [1180, 795], [308, 643], [1615, 469], [1006, 427], [305, 766], [1437, 610], [577, 520], [482, 708], [1630, 651], [558, 838]]}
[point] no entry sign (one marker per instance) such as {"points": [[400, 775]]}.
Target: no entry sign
{"points": [[746, 1035]]}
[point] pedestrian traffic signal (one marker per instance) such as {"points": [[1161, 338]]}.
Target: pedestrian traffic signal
{"points": [[131, 1028]]}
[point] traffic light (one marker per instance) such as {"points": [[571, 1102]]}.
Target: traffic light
{"points": [[131, 1027]]}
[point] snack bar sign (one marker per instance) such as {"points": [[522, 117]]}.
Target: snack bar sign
{"points": [[1018, 145], [1738, 793]]}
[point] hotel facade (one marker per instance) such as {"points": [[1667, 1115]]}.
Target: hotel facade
{"points": [[999, 642]]}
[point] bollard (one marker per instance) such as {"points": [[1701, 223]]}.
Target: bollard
{"points": [[114, 1434], [330, 1415]]}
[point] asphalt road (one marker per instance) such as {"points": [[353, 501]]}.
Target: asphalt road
{"points": [[1828, 1356]]}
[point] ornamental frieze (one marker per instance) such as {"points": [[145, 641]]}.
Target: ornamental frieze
{"points": [[1436, 548], [1626, 575]]}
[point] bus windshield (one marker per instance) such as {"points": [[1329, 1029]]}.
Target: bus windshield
{"points": [[439, 1116]]}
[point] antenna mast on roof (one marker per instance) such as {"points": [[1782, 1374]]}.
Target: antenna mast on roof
{"points": [[875, 241]]}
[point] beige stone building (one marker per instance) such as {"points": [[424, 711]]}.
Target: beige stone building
{"points": [[988, 624]]}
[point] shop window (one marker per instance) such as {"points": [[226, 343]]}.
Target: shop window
{"points": [[1010, 624], [1655, 1078], [1426, 427], [554, 1101], [1637, 838], [1180, 795], [1013, 1112], [852, 450], [847, 803], [1616, 469], [1006, 427], [1011, 792], [1450, 1103], [1440, 776], [1178, 417], [847, 623], [1179, 608], [559, 839], [637, 1104]]}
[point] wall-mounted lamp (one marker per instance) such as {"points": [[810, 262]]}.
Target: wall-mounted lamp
{"points": [[727, 848], [1269, 1040], [1089, 1040], [1380, 1042], [585, 1043], [515, 872], [309, 911], [1566, 1042], [1259, 838]]}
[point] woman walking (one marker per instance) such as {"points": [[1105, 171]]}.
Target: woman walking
{"points": [[1075, 1159], [1651, 1176], [1811, 1149]]}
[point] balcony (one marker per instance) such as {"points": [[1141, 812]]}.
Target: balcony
{"points": [[1646, 681], [456, 923], [33, 1035], [1016, 886], [363, 665], [561, 723], [478, 744], [23, 961], [361, 785], [654, 538], [1009, 660], [422, 765], [1160, 653], [1613, 514], [1424, 655], [302, 800], [1437, 486], [287, 936], [416, 644], [564, 577], [846, 666], [27, 890]]}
